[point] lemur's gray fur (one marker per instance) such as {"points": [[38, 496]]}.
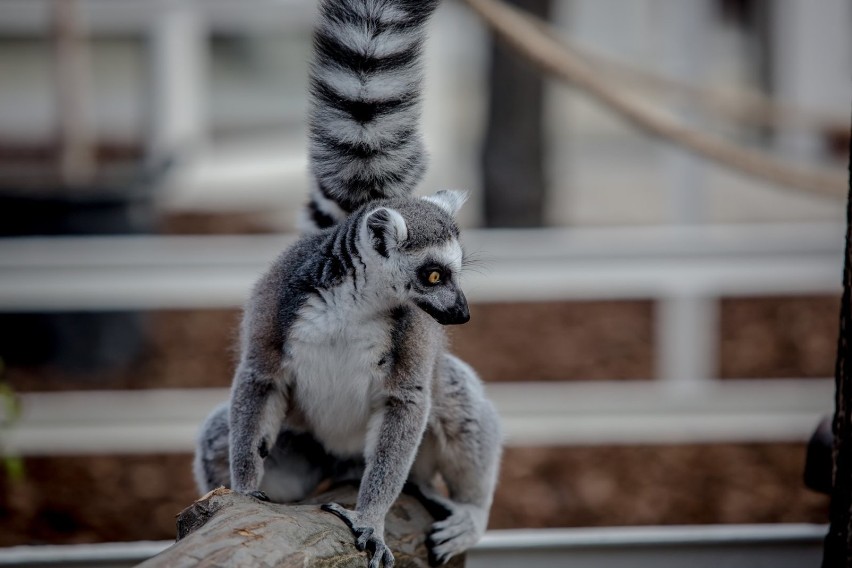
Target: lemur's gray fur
{"points": [[343, 371]]}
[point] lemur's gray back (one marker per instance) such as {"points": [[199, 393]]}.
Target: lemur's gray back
{"points": [[366, 78]]}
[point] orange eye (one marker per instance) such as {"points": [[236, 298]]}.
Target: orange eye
{"points": [[434, 277]]}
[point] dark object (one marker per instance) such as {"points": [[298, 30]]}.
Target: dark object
{"points": [[118, 203], [121, 203], [75, 342], [818, 460], [228, 529], [838, 541], [512, 156], [97, 215]]}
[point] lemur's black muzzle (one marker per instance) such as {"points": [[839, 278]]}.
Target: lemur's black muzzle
{"points": [[458, 313]]}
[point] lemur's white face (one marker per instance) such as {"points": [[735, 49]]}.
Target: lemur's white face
{"points": [[433, 282], [415, 261]]}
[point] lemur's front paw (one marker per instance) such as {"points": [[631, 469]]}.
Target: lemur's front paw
{"points": [[367, 537], [452, 536]]}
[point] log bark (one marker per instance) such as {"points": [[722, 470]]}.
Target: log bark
{"points": [[224, 528]]}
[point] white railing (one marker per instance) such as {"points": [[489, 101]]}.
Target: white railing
{"points": [[732, 546], [684, 270], [167, 420], [129, 16]]}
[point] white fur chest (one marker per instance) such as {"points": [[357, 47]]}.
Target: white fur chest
{"points": [[334, 352]]}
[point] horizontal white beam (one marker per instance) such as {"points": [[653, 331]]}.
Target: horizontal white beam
{"points": [[704, 546], [32, 17], [683, 535], [112, 554], [98, 273], [606, 243], [532, 413], [271, 174], [748, 546]]}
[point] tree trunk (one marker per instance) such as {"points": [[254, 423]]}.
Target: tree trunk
{"points": [[224, 528], [513, 152], [838, 542]]}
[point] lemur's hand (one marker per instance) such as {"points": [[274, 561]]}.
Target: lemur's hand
{"points": [[259, 495], [368, 536]]}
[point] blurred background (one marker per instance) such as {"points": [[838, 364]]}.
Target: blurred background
{"points": [[658, 331]]}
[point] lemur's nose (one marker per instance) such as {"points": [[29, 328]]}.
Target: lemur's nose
{"points": [[460, 311]]}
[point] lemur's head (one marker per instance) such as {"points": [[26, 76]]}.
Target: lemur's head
{"points": [[416, 251]]}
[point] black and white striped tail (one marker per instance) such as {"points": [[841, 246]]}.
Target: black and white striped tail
{"points": [[365, 104]]}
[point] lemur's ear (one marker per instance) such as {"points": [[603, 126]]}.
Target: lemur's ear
{"points": [[386, 230], [449, 200]]}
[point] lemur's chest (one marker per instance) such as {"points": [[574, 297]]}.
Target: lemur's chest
{"points": [[335, 357]]}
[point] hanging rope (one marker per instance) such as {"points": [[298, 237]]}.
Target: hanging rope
{"points": [[750, 107], [535, 40]]}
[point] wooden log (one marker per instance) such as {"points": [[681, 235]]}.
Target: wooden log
{"points": [[224, 528]]}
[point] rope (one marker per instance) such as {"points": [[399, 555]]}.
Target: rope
{"points": [[524, 33], [750, 107]]}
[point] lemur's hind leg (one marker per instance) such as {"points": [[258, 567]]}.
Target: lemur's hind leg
{"points": [[212, 466], [467, 455], [293, 467]]}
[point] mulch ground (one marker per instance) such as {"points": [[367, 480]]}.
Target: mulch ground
{"points": [[118, 498], [76, 499], [778, 337], [547, 341]]}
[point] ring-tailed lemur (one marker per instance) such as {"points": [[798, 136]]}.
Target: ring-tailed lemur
{"points": [[343, 370]]}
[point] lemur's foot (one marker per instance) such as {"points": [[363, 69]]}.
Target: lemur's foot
{"points": [[452, 536], [259, 495], [367, 537]]}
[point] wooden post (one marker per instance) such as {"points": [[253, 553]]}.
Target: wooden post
{"points": [[838, 542], [73, 74], [513, 150], [224, 528], [178, 69]]}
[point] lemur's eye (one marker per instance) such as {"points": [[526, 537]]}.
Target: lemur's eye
{"points": [[431, 275]]}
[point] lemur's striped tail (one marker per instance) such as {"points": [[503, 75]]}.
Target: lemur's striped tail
{"points": [[365, 104]]}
